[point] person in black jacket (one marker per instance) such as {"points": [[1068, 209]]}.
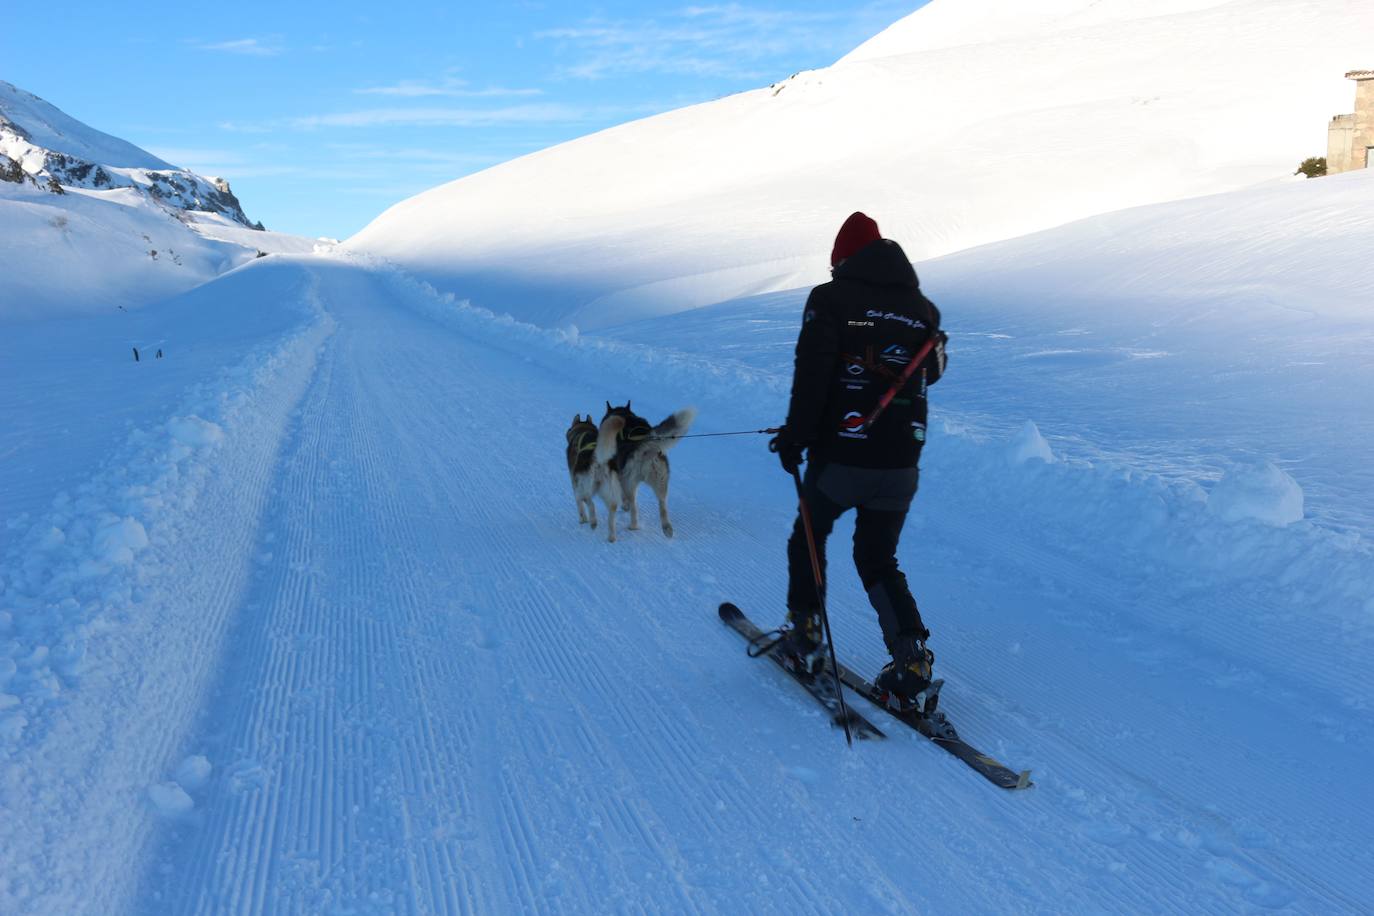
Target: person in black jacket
{"points": [[859, 333]]}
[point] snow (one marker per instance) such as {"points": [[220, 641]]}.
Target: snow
{"points": [[1260, 491], [170, 800], [100, 252], [299, 618], [194, 772], [1029, 444], [48, 127], [1120, 104], [194, 431], [126, 229], [424, 686], [960, 23], [117, 541]]}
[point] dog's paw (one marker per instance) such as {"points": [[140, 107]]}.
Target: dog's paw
{"points": [[667, 531]]}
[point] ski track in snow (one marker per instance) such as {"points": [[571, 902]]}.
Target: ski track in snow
{"points": [[435, 693]]}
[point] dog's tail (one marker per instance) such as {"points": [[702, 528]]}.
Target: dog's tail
{"points": [[666, 434], [606, 439]]}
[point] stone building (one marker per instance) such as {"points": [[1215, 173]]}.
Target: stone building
{"points": [[1350, 139]]}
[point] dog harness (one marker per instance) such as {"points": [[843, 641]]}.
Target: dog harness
{"points": [[637, 433], [582, 440]]}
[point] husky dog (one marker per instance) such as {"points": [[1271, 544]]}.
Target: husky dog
{"points": [[640, 457], [591, 452]]}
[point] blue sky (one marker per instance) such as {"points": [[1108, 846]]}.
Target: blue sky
{"points": [[323, 115]]}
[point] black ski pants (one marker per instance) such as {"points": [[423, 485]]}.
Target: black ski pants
{"points": [[882, 498]]}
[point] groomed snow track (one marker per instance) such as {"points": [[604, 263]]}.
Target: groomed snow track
{"points": [[434, 693]]}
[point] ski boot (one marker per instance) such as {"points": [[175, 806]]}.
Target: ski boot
{"points": [[802, 647], [905, 682]]}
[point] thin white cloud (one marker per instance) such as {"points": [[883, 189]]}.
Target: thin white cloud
{"points": [[722, 40], [444, 117], [252, 47], [454, 89]]}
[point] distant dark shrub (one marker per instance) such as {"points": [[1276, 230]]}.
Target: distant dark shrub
{"points": [[1312, 167]]}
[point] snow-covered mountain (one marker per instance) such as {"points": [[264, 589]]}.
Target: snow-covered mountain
{"points": [[969, 121], [90, 223], [43, 145]]}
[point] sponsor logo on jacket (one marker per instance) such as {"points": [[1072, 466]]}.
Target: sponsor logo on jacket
{"points": [[907, 320]]}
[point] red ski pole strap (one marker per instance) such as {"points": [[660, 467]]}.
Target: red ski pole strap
{"points": [[853, 423]]}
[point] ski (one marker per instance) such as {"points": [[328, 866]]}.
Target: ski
{"points": [[935, 725], [821, 688]]}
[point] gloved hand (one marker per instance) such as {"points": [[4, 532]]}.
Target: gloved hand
{"points": [[788, 451]]}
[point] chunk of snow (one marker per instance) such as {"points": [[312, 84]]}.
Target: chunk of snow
{"points": [[12, 727], [118, 541], [193, 773], [1259, 491], [194, 431], [170, 800], [1030, 444]]}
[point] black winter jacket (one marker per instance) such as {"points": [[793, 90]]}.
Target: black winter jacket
{"points": [[859, 331]]}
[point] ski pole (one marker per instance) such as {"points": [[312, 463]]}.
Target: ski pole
{"points": [[820, 598]]}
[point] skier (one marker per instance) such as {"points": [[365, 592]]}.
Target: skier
{"points": [[859, 332]]}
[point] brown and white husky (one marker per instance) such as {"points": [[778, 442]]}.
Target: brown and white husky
{"points": [[591, 453], [640, 456]]}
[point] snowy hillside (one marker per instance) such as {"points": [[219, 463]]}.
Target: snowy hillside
{"points": [[26, 117], [90, 223], [1000, 119]]}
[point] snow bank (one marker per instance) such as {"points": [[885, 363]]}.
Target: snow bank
{"points": [[90, 559], [1196, 333], [114, 604]]}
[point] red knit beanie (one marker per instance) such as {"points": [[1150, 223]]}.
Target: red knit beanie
{"points": [[857, 232]]}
